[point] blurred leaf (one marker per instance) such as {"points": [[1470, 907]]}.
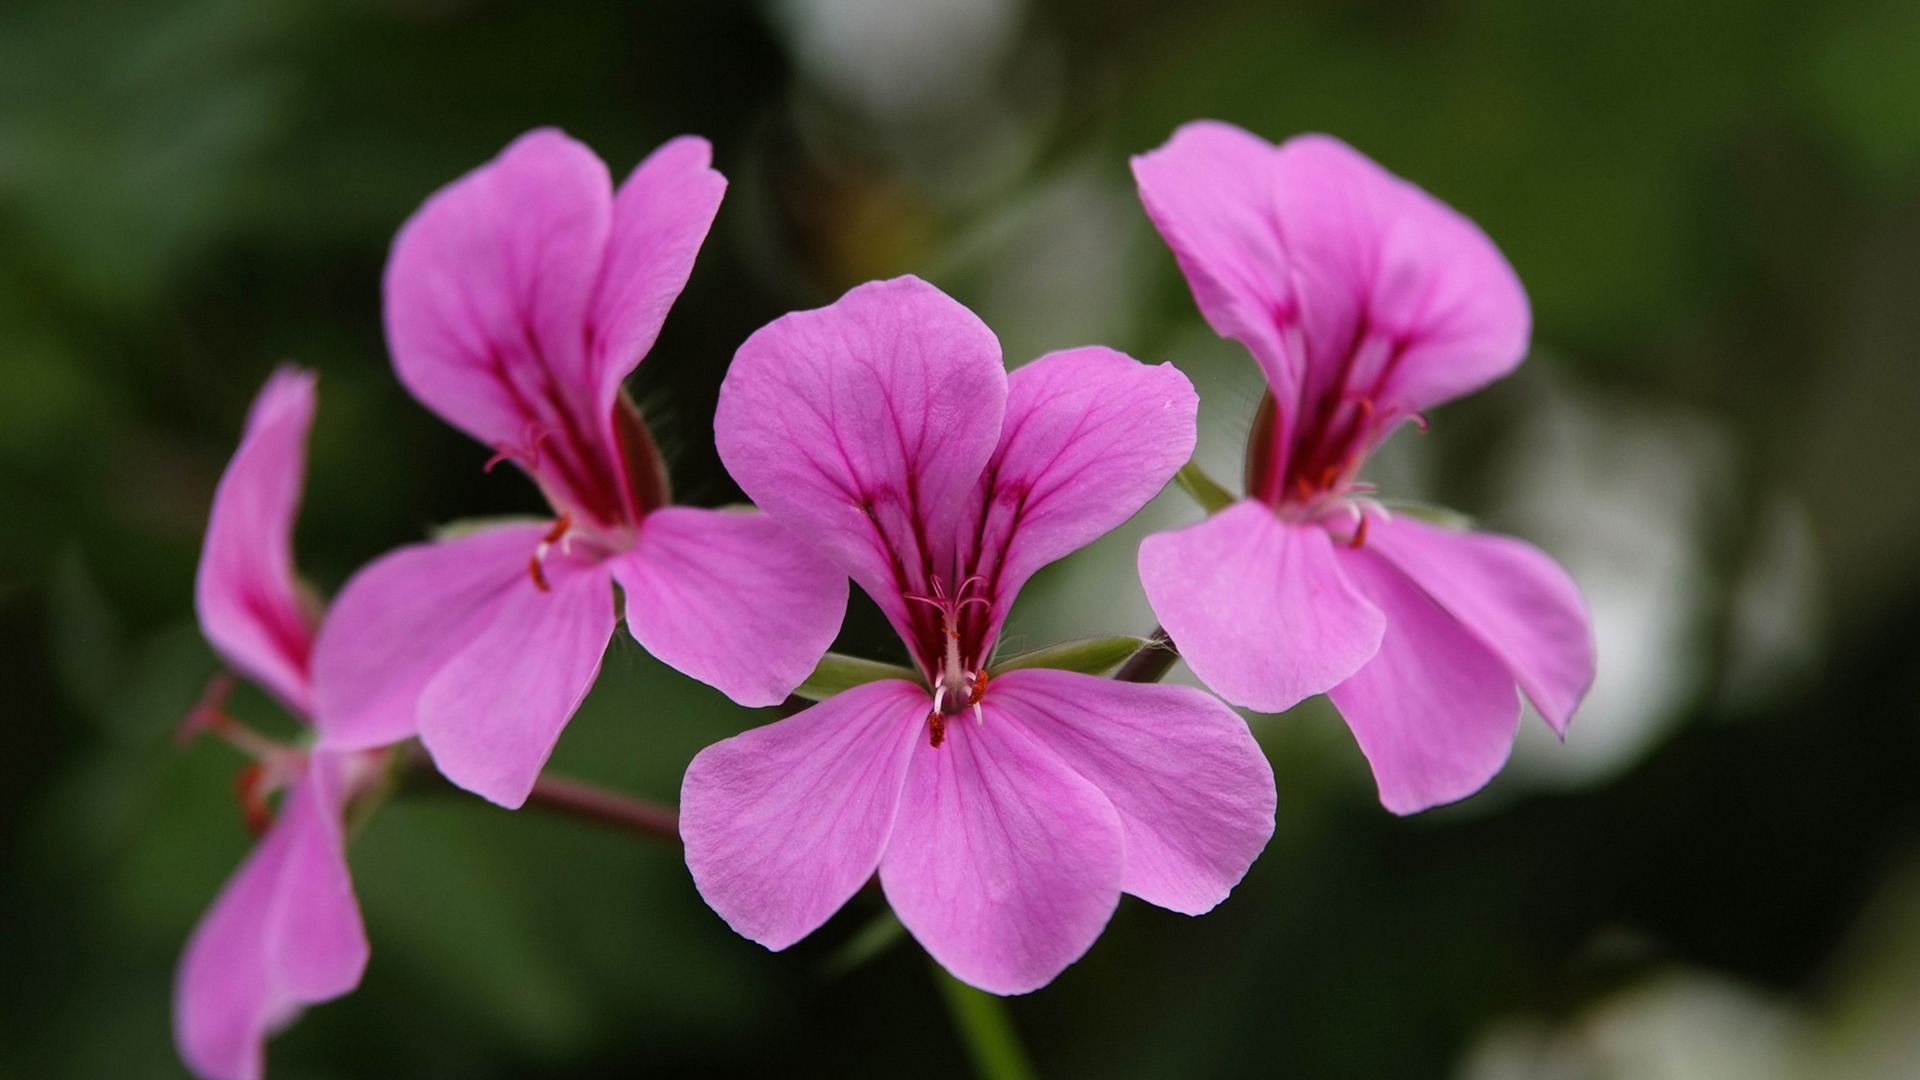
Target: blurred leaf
{"points": [[980, 1019], [885, 931]]}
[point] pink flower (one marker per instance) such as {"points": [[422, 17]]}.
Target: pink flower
{"points": [[285, 930], [1004, 819], [517, 300], [1365, 300]]}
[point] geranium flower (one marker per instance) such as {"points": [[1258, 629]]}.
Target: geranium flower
{"points": [[1005, 814], [1365, 300], [517, 300], [285, 931]]}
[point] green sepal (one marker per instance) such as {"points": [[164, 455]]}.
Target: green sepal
{"points": [[1433, 515], [1088, 656], [463, 527], [836, 673], [1204, 489]]}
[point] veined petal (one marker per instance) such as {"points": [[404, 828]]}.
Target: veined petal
{"points": [[1510, 595], [400, 620], [245, 592], [732, 599], [862, 426], [492, 715], [661, 215], [1435, 711], [1375, 257], [1259, 608], [785, 822], [1090, 435], [285, 932], [1193, 790], [1210, 193], [487, 296], [1005, 863]]}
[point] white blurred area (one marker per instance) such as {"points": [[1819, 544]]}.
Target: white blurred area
{"points": [[1688, 1024], [1635, 500], [897, 60]]}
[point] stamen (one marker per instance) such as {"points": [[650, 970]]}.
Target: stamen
{"points": [[1359, 534], [209, 714], [535, 562], [250, 787], [936, 728], [527, 454]]}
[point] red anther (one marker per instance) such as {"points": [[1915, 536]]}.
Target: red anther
{"points": [[249, 786], [936, 728], [978, 689], [1365, 404], [539, 556], [1359, 539], [1306, 489]]}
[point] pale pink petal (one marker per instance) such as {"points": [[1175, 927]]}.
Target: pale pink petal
{"points": [[1405, 301], [1345, 281], [785, 822], [246, 594], [1259, 608], [400, 619], [284, 933], [1435, 711], [1193, 790], [492, 715], [1004, 863], [487, 295], [732, 599], [1515, 599], [862, 426], [1090, 435], [661, 215], [1210, 192]]}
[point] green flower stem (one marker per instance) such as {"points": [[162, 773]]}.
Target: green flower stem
{"points": [[981, 1021], [1153, 660]]}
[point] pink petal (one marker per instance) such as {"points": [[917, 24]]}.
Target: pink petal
{"points": [[1375, 256], [1193, 790], [1004, 862], [1090, 436], [248, 600], [732, 599], [492, 715], [487, 296], [285, 932], [1435, 711], [785, 822], [1515, 599], [661, 215], [1325, 266], [400, 620], [1210, 192], [1259, 608], [862, 426]]}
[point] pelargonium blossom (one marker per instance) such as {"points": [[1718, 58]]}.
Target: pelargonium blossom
{"points": [[518, 299], [1365, 301], [1005, 814], [285, 931]]}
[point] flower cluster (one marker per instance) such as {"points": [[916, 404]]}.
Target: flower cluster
{"points": [[1003, 807]]}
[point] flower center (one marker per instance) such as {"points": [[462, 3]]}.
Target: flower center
{"points": [[957, 683]]}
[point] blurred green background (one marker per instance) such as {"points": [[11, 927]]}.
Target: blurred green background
{"points": [[1715, 206]]}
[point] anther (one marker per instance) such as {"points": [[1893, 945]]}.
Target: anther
{"points": [[936, 728], [539, 557], [1359, 534], [249, 786]]}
